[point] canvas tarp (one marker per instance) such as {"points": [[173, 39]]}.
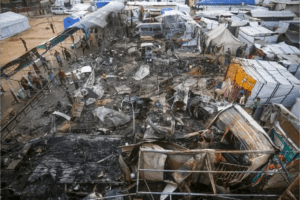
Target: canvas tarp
{"points": [[272, 82], [11, 24], [222, 39], [99, 17]]}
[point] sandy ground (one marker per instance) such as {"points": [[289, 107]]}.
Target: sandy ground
{"points": [[11, 48]]}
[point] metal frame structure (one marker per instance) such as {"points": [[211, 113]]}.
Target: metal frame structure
{"points": [[6, 129], [209, 171]]}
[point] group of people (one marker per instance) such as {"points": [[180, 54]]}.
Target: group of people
{"points": [[86, 43], [242, 98], [33, 83]]}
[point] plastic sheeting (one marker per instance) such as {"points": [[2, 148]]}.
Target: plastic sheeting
{"points": [[274, 84], [291, 62], [11, 24], [111, 117], [226, 2], [276, 49], [272, 14], [99, 17], [210, 24], [254, 32], [143, 71], [222, 39], [123, 89]]}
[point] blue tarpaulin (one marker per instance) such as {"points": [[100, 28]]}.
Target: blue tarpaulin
{"points": [[101, 4], [225, 2], [69, 21], [164, 10]]}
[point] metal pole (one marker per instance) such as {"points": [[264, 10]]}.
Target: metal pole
{"points": [[212, 195], [195, 151], [138, 173], [148, 188], [133, 119], [208, 171]]}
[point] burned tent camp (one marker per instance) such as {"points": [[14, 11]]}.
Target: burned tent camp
{"points": [[143, 100]]}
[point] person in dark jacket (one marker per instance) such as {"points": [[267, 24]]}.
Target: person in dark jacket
{"points": [[227, 57], [67, 54]]}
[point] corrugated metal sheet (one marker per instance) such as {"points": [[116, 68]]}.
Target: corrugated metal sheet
{"points": [[249, 133], [225, 2], [246, 129]]}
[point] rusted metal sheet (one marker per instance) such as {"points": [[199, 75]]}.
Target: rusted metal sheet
{"points": [[250, 134]]}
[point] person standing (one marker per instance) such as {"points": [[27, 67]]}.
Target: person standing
{"points": [[75, 80], [26, 87], [44, 83], [51, 77], [83, 45], [30, 77], [96, 34], [238, 52], [62, 77], [227, 57], [242, 100], [255, 105], [37, 82], [24, 43], [43, 80], [104, 77], [58, 58], [44, 63], [67, 54], [52, 27], [243, 51], [90, 39]]}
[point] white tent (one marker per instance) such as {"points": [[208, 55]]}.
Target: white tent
{"points": [[274, 84], [221, 38], [11, 24], [296, 111]]}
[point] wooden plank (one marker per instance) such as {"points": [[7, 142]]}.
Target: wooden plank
{"points": [[14, 164]]}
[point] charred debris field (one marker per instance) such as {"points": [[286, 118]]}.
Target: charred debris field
{"points": [[132, 115]]}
